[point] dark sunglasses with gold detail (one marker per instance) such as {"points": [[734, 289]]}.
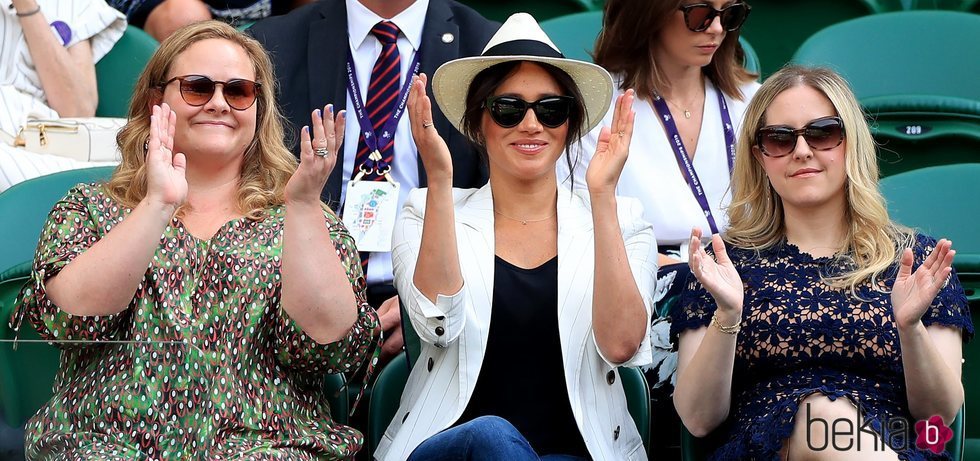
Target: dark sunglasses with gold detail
{"points": [[698, 16], [197, 90]]}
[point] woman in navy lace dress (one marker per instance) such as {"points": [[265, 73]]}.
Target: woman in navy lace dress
{"points": [[821, 309]]}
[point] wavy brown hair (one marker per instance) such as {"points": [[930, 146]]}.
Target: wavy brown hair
{"points": [[268, 162], [630, 30], [756, 218]]}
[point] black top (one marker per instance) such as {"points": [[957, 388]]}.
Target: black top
{"points": [[522, 378]]}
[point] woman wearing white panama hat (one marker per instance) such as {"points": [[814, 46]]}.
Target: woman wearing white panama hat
{"points": [[568, 277]]}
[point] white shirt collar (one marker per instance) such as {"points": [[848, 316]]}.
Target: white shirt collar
{"points": [[360, 20]]}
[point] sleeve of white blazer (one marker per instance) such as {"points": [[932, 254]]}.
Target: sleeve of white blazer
{"points": [[641, 251], [437, 323]]}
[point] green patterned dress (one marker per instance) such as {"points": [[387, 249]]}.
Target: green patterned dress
{"points": [[205, 363]]}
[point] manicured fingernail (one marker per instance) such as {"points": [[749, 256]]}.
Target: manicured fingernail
{"points": [[306, 129], [317, 112], [330, 108], [343, 113]]}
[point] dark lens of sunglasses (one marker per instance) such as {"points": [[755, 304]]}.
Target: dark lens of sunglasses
{"points": [[508, 112], [699, 17], [823, 134], [552, 112], [240, 94], [734, 16], [777, 141], [196, 91]]}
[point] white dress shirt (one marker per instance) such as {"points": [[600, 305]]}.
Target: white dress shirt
{"points": [[366, 48], [652, 174]]}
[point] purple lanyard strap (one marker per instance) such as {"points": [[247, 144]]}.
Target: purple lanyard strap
{"points": [[680, 153], [367, 128]]}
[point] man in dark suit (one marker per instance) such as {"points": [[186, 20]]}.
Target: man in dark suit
{"points": [[310, 49]]}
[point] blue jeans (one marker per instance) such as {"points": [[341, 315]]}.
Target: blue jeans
{"points": [[487, 438]]}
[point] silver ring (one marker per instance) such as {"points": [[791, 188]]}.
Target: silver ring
{"points": [[426, 124], [321, 152]]}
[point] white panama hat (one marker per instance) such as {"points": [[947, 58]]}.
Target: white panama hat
{"points": [[520, 39]]}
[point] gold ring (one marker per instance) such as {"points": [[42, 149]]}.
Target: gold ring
{"points": [[321, 151], [622, 133]]}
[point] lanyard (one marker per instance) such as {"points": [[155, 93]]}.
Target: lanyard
{"points": [[677, 144], [367, 128]]}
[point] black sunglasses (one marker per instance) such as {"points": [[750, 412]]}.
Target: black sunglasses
{"points": [[698, 17], [197, 90], [820, 134], [508, 111]]}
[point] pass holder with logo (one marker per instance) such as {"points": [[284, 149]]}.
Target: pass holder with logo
{"points": [[370, 209]]}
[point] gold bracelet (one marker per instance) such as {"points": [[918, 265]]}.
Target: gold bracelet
{"points": [[36, 10], [728, 330]]}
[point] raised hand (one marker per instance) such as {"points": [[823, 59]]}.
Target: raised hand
{"points": [[318, 155], [166, 182], [612, 147], [432, 148], [913, 292], [718, 274]]}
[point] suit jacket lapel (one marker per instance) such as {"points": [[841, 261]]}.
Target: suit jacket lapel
{"points": [[435, 51], [326, 61]]}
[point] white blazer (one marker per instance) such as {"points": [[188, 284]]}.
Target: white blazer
{"points": [[454, 329]]}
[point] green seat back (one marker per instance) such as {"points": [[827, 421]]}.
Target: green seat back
{"points": [[117, 72], [777, 27], [899, 5], [575, 35], [500, 10], [900, 53], [26, 374], [26, 205], [940, 201], [918, 131], [387, 392]]}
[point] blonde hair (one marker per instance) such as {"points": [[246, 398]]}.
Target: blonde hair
{"points": [[756, 218], [268, 163]]}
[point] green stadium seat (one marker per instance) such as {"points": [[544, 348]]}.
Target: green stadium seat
{"points": [[918, 131], [899, 5], [26, 205], [387, 392], [116, 73], [777, 27], [901, 53], [500, 10], [26, 375], [575, 36]]}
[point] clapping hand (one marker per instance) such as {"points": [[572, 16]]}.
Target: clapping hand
{"points": [[166, 182], [612, 148], [432, 148], [718, 274], [318, 155], [913, 292]]}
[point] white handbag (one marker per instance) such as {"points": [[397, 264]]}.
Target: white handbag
{"points": [[88, 139]]}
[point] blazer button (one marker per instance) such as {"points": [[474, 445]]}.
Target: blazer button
{"points": [[430, 363], [615, 433], [611, 377], [406, 416], [440, 331]]}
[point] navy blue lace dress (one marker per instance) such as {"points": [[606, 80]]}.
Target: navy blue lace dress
{"points": [[800, 337]]}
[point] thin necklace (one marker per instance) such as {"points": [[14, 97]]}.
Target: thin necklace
{"points": [[687, 113], [525, 221]]}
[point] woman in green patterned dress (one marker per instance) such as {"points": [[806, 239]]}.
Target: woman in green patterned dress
{"points": [[201, 294]]}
